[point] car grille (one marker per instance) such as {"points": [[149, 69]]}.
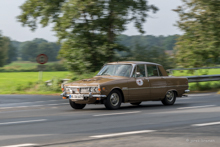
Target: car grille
{"points": [[74, 90]]}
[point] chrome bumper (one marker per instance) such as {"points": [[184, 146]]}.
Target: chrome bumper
{"points": [[90, 95], [186, 91]]}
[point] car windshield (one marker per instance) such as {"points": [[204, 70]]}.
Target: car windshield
{"points": [[116, 70]]}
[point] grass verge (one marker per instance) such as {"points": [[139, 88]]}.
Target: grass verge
{"points": [[28, 82]]}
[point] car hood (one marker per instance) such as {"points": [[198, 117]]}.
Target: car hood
{"points": [[95, 81]]}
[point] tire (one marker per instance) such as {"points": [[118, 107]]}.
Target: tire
{"points": [[113, 100], [136, 104], [76, 106], [170, 98]]}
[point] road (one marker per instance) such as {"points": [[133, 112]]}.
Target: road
{"points": [[36, 120]]}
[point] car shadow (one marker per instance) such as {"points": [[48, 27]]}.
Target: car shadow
{"points": [[140, 107]]}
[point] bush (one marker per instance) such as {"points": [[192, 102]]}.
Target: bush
{"points": [[56, 85], [204, 86]]}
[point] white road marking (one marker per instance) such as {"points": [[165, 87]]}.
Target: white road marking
{"points": [[37, 101], [117, 113], [34, 106], [20, 122], [53, 104], [21, 145], [124, 133], [196, 107], [207, 124], [183, 98]]}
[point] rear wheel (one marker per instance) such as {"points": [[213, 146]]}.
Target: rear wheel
{"points": [[113, 101], [136, 104], [76, 106], [170, 98]]}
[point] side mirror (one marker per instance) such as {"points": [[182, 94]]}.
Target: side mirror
{"points": [[138, 74]]}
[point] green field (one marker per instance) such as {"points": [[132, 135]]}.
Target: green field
{"points": [[197, 72], [16, 82], [28, 83]]}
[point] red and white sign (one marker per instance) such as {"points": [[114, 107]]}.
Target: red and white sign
{"points": [[42, 58]]}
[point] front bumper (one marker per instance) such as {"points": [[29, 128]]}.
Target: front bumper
{"points": [[86, 96]]}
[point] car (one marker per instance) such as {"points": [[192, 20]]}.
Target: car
{"points": [[126, 82]]}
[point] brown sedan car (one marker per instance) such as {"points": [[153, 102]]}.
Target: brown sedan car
{"points": [[126, 82]]}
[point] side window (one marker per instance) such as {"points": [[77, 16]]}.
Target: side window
{"points": [[152, 71], [140, 69]]}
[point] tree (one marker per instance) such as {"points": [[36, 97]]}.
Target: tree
{"points": [[30, 49], [12, 52], [200, 44], [88, 29], [150, 54], [3, 51], [7, 51]]}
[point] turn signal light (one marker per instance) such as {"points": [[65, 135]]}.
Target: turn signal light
{"points": [[64, 97], [99, 89], [62, 89], [98, 99]]}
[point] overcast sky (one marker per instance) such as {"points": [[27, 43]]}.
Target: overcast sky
{"points": [[160, 23]]}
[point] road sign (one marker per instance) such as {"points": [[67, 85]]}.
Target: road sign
{"points": [[42, 58]]}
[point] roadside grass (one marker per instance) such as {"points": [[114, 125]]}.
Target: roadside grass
{"points": [[201, 86], [205, 86], [26, 82]]}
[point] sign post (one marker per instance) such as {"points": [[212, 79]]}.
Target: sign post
{"points": [[41, 59]]}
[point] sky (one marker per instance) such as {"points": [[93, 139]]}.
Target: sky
{"points": [[161, 23]]}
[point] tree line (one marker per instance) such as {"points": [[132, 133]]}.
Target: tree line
{"points": [[145, 48], [11, 50], [28, 50]]}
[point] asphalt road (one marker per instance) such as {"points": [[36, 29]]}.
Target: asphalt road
{"points": [[33, 120]]}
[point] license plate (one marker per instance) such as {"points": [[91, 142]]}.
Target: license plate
{"points": [[76, 96]]}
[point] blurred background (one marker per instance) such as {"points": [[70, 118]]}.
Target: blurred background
{"points": [[80, 36]]}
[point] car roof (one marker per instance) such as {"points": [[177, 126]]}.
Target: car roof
{"points": [[133, 62]]}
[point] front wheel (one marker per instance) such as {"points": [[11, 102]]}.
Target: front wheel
{"points": [[113, 101], [76, 106], [170, 98]]}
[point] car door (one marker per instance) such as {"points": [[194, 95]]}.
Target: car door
{"points": [[158, 83], [138, 85]]}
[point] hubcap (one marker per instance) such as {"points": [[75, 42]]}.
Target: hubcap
{"points": [[170, 96], [114, 99]]}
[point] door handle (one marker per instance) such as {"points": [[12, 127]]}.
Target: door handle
{"points": [[147, 79]]}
